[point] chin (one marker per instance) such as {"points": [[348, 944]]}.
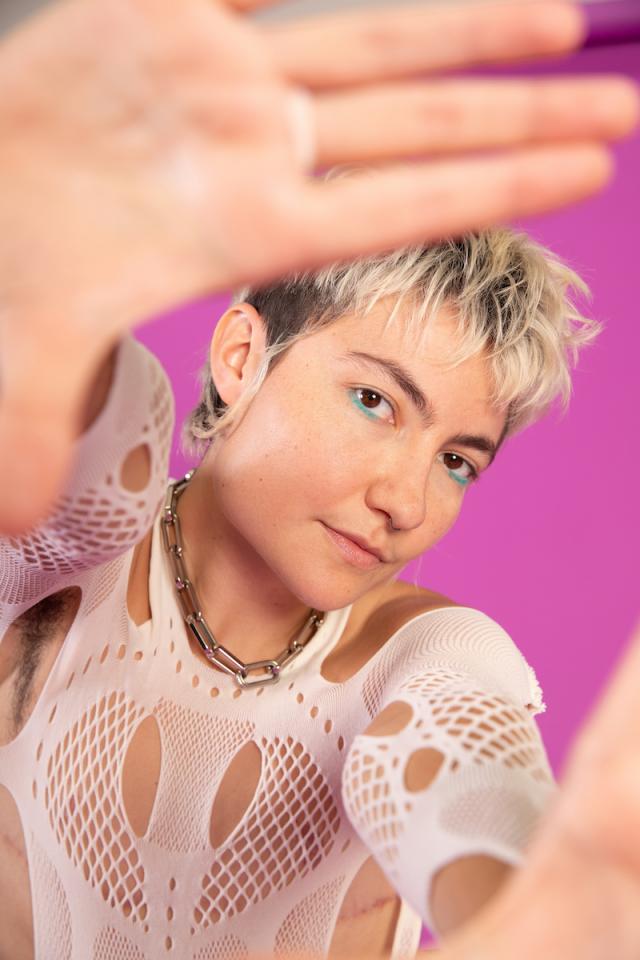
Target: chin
{"points": [[329, 592], [320, 582]]}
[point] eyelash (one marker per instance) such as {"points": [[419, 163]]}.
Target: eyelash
{"points": [[473, 473], [355, 392]]}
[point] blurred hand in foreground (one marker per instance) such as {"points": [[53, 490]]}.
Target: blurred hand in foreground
{"points": [[576, 897], [150, 156]]}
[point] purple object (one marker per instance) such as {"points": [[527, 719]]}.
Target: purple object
{"points": [[612, 22]]}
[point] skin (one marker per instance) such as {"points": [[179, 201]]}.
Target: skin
{"points": [[308, 454], [334, 441], [577, 896], [309, 448], [59, 321], [177, 135]]}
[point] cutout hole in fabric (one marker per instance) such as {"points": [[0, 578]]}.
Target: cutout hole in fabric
{"points": [[135, 470], [235, 792], [368, 914], [422, 768], [286, 833], [141, 774], [83, 800], [462, 887], [392, 719]]}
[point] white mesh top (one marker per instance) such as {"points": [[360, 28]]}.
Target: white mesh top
{"points": [[327, 796]]}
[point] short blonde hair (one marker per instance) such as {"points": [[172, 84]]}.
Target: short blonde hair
{"points": [[513, 298]]}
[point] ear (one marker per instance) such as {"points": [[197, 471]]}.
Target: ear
{"points": [[237, 349]]}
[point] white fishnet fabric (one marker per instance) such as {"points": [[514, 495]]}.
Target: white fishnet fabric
{"points": [[111, 945], [227, 948], [287, 831], [406, 944], [195, 745], [53, 922], [369, 799], [493, 779], [469, 810], [97, 519], [305, 926], [458, 637], [276, 882], [478, 726], [104, 587], [84, 804]]}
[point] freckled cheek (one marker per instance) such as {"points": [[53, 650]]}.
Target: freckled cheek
{"points": [[284, 459], [444, 502]]}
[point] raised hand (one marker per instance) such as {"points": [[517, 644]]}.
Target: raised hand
{"points": [[149, 154], [576, 896]]}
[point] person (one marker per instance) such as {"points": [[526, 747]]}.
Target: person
{"points": [[344, 412], [169, 809], [143, 118]]}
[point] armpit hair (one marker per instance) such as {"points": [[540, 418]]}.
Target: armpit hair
{"points": [[36, 626]]}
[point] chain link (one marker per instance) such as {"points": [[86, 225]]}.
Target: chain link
{"points": [[268, 671]]}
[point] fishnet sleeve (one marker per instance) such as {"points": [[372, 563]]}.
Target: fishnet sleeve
{"points": [[97, 519], [472, 696]]}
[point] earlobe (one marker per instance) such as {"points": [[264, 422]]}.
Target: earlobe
{"points": [[237, 349]]}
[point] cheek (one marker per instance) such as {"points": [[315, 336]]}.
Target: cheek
{"points": [[282, 453], [310, 443], [444, 503]]}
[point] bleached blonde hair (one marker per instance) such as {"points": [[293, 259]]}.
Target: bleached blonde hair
{"points": [[514, 301]]}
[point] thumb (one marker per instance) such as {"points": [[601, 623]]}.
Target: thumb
{"points": [[43, 386]]}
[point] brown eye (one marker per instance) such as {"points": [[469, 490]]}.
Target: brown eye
{"points": [[453, 461], [459, 469], [370, 399], [372, 404]]}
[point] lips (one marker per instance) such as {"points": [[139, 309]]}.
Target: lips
{"points": [[354, 548], [360, 542]]}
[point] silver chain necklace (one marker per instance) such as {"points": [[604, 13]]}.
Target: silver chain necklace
{"points": [[192, 612]]}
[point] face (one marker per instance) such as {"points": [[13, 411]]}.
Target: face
{"points": [[335, 448]]}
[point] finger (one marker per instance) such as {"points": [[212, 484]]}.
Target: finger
{"points": [[42, 393], [417, 203], [405, 120], [360, 47], [247, 6]]}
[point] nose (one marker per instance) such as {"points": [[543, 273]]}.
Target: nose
{"points": [[400, 490]]}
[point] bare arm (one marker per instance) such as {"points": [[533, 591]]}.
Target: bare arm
{"points": [[98, 391], [118, 478]]}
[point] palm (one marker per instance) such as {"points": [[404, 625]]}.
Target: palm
{"points": [[149, 157], [169, 150], [577, 894]]}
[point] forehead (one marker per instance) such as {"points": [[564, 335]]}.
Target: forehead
{"points": [[423, 350], [397, 330]]}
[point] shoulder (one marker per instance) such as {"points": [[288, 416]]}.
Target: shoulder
{"points": [[398, 602], [426, 631], [373, 619]]}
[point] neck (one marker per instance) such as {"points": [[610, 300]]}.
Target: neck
{"points": [[248, 610]]}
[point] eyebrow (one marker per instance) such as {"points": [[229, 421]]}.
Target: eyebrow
{"points": [[421, 402]]}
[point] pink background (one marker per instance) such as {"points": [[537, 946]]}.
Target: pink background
{"points": [[547, 542]]}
